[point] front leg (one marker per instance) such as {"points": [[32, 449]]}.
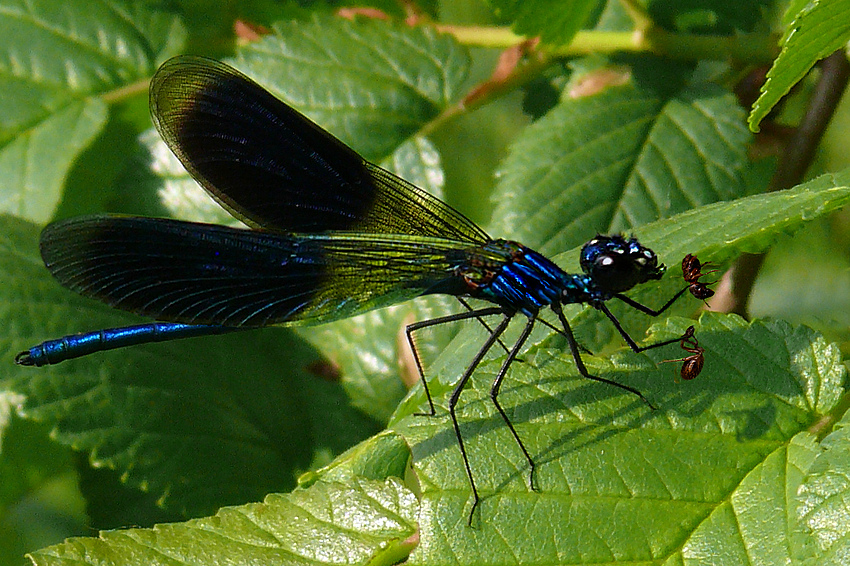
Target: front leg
{"points": [[629, 340], [643, 308]]}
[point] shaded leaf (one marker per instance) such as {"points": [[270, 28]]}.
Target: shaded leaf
{"points": [[819, 29], [33, 467], [56, 61], [619, 159], [709, 16], [27, 457]]}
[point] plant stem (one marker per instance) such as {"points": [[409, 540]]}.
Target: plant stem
{"points": [[126, 91], [746, 48], [795, 161], [523, 73]]}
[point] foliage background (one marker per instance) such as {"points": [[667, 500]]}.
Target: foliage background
{"points": [[104, 443]]}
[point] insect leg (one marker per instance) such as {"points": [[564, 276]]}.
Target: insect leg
{"points": [[483, 323], [411, 328], [497, 331], [497, 384], [645, 309], [629, 340], [574, 349], [560, 331]]}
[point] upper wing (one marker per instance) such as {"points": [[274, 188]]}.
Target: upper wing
{"points": [[273, 168], [208, 274]]}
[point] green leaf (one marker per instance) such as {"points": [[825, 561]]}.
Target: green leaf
{"points": [[794, 7], [721, 231], [818, 30], [555, 22], [626, 484], [613, 161], [757, 523], [824, 499], [371, 83], [330, 523], [34, 192], [382, 456], [58, 60], [199, 424]]}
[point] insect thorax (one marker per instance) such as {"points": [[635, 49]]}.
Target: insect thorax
{"points": [[519, 279]]}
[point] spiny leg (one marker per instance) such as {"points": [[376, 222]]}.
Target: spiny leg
{"points": [[647, 310], [453, 400], [411, 328], [483, 322], [629, 340], [574, 349], [497, 384], [548, 324], [644, 309]]}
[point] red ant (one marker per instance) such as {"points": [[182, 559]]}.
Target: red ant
{"points": [[691, 272], [692, 365]]}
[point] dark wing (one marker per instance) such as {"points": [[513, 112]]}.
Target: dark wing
{"points": [[202, 273], [273, 168]]}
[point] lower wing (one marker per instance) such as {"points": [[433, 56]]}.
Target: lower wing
{"points": [[208, 274]]}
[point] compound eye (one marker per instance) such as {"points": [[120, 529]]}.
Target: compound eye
{"points": [[605, 261], [609, 268]]}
